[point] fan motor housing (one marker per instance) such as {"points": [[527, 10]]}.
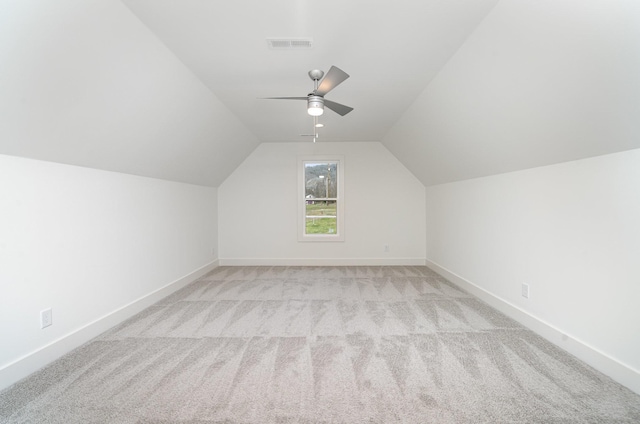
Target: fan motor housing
{"points": [[315, 101]]}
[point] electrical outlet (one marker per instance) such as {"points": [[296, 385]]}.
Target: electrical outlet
{"points": [[46, 318], [386, 247], [213, 251], [525, 290]]}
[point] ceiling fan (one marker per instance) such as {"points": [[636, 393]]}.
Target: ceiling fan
{"points": [[315, 100]]}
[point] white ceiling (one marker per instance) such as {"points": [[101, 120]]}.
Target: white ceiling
{"points": [[391, 50], [455, 89]]}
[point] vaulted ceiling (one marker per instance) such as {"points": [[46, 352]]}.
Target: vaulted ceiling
{"points": [[391, 50], [455, 89]]}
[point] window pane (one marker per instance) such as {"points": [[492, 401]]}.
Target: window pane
{"points": [[321, 217], [321, 180]]}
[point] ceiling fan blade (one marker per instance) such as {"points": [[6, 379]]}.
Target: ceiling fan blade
{"points": [[287, 98], [330, 81], [338, 108]]}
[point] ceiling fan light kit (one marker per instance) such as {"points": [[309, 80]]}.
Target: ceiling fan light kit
{"points": [[315, 106]]}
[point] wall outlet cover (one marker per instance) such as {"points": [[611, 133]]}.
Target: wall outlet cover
{"points": [[46, 318]]}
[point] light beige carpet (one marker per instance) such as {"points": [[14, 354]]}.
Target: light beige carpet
{"points": [[319, 345]]}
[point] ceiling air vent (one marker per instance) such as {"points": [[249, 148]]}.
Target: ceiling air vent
{"points": [[289, 43]]}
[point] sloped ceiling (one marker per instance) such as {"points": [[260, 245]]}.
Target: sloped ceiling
{"points": [[539, 82], [455, 89], [85, 83]]}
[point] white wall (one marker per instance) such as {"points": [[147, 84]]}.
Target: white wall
{"points": [[94, 246], [384, 204], [572, 232]]}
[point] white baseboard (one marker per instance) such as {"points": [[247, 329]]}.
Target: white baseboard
{"points": [[322, 262], [33, 361], [618, 371]]}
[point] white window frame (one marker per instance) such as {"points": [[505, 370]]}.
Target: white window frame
{"points": [[302, 236]]}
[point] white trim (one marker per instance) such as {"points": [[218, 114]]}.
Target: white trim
{"points": [[301, 199], [322, 262], [31, 362], [618, 371]]}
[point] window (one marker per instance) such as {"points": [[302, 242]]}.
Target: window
{"points": [[320, 200]]}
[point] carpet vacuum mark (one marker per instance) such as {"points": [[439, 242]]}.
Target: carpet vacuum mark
{"points": [[319, 345]]}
